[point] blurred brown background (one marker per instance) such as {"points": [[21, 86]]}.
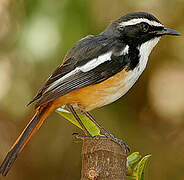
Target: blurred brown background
{"points": [[35, 36]]}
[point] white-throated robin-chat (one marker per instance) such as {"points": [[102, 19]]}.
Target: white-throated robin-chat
{"points": [[98, 70]]}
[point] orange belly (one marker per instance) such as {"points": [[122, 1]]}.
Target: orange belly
{"points": [[97, 95]]}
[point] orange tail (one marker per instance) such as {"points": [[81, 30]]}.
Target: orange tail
{"points": [[24, 137]]}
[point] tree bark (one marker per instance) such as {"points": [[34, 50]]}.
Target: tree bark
{"points": [[103, 159]]}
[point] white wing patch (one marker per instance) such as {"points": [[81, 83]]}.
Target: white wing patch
{"points": [[55, 83], [88, 66], [96, 62], [140, 20], [125, 50]]}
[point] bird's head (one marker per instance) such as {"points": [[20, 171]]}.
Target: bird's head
{"points": [[139, 27]]}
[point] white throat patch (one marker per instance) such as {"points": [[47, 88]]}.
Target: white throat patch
{"points": [[146, 48], [133, 75], [140, 20]]}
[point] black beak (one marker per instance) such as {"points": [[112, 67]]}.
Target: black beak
{"points": [[167, 31]]}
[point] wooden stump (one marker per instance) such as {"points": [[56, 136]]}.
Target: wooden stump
{"points": [[103, 159]]}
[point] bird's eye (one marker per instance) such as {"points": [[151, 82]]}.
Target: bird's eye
{"points": [[144, 27]]}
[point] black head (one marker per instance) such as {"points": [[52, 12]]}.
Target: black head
{"points": [[138, 27]]}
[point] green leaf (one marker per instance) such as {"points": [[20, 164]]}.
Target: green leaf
{"points": [[90, 126], [141, 167], [136, 166], [132, 161], [133, 158]]}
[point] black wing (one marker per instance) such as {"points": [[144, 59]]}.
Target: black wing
{"points": [[85, 50], [83, 79]]}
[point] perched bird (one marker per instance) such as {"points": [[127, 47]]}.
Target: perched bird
{"points": [[97, 71]]}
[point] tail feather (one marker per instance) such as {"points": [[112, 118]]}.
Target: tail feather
{"points": [[24, 137]]}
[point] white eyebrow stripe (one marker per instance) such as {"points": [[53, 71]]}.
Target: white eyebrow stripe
{"points": [[139, 20], [92, 64]]}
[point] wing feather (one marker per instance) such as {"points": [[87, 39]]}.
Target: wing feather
{"points": [[85, 50], [83, 79]]}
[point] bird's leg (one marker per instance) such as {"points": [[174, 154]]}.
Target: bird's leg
{"points": [[102, 129], [105, 132], [79, 120]]}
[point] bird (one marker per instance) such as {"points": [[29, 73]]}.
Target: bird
{"points": [[97, 71]]}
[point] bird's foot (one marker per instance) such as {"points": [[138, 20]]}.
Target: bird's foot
{"points": [[122, 143], [111, 137]]}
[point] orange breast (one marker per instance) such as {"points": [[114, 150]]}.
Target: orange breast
{"points": [[97, 95]]}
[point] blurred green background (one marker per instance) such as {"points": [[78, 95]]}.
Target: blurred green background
{"points": [[34, 38]]}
